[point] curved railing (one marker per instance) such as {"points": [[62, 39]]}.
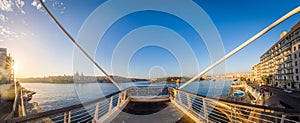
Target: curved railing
{"points": [[205, 109], [96, 110], [100, 110], [198, 107]]}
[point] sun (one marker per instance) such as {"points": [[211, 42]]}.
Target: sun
{"points": [[15, 68]]}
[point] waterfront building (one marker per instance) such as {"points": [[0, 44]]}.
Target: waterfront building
{"points": [[295, 37], [246, 75], [278, 66], [255, 75], [3, 53], [6, 63]]}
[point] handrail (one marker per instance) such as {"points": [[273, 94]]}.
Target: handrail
{"points": [[40, 115], [61, 110], [207, 109], [118, 96], [249, 41], [22, 102], [247, 105], [14, 108]]}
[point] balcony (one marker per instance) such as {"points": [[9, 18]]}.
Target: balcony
{"points": [[284, 80], [288, 60], [287, 80], [286, 47], [289, 67], [287, 53]]}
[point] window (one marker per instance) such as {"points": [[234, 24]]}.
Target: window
{"points": [[296, 70], [295, 55], [299, 54], [298, 46], [296, 63], [294, 48], [297, 78]]}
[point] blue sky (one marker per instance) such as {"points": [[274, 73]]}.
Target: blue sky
{"points": [[40, 48]]}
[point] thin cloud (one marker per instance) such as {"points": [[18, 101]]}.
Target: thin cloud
{"points": [[7, 35], [20, 3], [37, 4], [23, 12], [6, 5], [34, 3], [3, 18]]}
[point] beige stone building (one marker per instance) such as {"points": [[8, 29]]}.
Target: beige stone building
{"points": [[6, 63], [278, 66]]}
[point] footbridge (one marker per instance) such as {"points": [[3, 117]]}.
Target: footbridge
{"points": [[144, 103], [170, 103]]}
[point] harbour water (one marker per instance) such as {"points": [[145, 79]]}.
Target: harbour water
{"points": [[51, 96]]}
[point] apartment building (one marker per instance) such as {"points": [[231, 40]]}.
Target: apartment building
{"points": [[3, 56], [6, 63], [278, 66]]}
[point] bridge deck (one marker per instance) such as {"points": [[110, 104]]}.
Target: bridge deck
{"points": [[151, 112]]}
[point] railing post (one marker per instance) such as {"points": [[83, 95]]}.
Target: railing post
{"points": [[189, 101], [231, 117], [22, 108], [235, 117], [65, 117], [179, 97], [119, 99], [205, 109], [96, 113], [282, 118], [110, 104], [124, 95], [69, 117]]}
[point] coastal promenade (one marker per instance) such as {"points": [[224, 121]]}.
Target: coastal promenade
{"points": [[279, 97]]}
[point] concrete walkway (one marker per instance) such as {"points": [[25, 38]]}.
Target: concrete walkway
{"points": [[152, 112], [292, 100]]}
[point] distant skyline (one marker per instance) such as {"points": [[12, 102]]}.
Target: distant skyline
{"points": [[41, 49]]}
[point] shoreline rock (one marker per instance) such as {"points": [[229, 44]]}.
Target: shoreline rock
{"points": [[32, 108]]}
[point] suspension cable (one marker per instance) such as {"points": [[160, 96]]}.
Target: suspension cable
{"points": [[78, 46], [252, 39]]}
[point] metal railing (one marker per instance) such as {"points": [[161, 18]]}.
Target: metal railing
{"points": [[100, 110], [197, 107], [97, 110], [18, 105], [205, 109]]}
